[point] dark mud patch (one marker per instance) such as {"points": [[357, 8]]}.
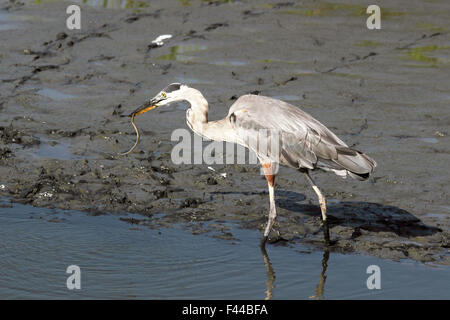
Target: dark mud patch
{"points": [[5, 153], [10, 135]]}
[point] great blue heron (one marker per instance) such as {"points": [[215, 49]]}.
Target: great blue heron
{"points": [[304, 143]]}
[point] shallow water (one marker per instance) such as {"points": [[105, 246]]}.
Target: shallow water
{"points": [[429, 140], [55, 94], [51, 149], [119, 260], [59, 151], [8, 22]]}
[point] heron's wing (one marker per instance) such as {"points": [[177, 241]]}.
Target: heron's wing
{"points": [[303, 141]]}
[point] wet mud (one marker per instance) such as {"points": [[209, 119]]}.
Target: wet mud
{"points": [[63, 94]]}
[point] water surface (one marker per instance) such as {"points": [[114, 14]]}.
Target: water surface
{"points": [[120, 260]]}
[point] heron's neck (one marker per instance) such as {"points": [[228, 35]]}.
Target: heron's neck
{"points": [[198, 117], [199, 106]]}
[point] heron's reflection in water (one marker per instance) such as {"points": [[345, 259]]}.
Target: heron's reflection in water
{"points": [[320, 288], [270, 272]]}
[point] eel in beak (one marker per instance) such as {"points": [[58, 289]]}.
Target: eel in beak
{"points": [[142, 109]]}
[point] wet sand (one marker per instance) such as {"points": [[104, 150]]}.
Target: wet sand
{"points": [[384, 92]]}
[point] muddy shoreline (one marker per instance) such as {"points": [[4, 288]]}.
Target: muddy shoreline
{"points": [[385, 92]]}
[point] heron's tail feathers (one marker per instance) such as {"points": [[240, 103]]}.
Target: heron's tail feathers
{"points": [[356, 164]]}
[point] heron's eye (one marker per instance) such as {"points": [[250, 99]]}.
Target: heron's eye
{"points": [[164, 95]]}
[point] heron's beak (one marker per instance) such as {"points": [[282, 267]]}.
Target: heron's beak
{"points": [[152, 104]]}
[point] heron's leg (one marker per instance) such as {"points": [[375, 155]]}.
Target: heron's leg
{"points": [[323, 206], [270, 177]]}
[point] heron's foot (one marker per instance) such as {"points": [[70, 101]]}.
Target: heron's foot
{"points": [[275, 239], [262, 244]]}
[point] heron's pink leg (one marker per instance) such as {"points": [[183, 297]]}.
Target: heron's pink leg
{"points": [[320, 196], [270, 177], [323, 206]]}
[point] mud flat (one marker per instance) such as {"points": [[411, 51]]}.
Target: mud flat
{"points": [[385, 92]]}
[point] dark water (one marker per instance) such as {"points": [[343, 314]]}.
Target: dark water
{"points": [[119, 260]]}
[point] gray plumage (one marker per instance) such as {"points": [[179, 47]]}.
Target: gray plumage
{"points": [[305, 142]]}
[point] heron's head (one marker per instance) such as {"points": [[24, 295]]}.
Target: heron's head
{"points": [[172, 93]]}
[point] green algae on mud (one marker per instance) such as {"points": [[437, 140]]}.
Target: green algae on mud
{"points": [[277, 61], [326, 9], [421, 54], [368, 43], [177, 53], [107, 4]]}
